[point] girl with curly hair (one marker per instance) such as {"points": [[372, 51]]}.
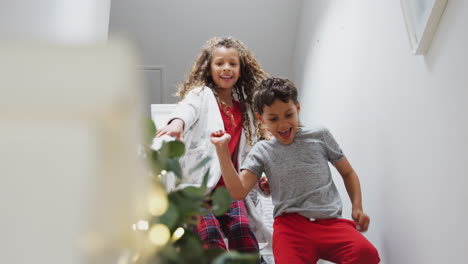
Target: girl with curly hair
{"points": [[217, 94]]}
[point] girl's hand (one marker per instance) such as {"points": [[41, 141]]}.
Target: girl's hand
{"points": [[264, 185], [220, 138], [175, 129], [362, 220]]}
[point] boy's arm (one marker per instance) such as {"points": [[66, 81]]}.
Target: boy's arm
{"points": [[353, 187], [238, 185]]}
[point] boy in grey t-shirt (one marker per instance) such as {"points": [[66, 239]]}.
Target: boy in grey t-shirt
{"points": [[307, 207]]}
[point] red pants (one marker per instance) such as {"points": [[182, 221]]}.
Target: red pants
{"points": [[298, 240]]}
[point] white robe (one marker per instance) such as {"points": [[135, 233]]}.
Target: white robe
{"points": [[200, 112]]}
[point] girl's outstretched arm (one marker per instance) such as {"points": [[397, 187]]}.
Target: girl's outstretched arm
{"points": [[186, 113], [175, 128], [238, 185], [353, 187]]}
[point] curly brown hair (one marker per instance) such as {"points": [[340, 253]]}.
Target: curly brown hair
{"points": [[250, 75], [271, 89]]}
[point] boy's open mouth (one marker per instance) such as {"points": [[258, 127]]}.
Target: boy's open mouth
{"points": [[285, 134]]}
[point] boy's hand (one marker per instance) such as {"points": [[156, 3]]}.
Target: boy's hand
{"points": [[220, 138], [264, 185], [362, 220]]}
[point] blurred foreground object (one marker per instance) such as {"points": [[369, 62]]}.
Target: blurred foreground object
{"points": [[72, 182]]}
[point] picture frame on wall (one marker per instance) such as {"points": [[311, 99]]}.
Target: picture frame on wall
{"points": [[422, 18]]}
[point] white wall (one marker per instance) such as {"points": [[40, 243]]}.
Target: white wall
{"points": [[400, 118], [66, 21], [171, 32]]}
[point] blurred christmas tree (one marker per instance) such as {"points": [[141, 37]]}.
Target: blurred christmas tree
{"points": [[168, 232]]}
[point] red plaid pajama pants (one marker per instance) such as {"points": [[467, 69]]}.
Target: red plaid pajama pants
{"points": [[234, 224]]}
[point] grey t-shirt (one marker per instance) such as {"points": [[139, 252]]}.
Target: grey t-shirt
{"points": [[299, 175]]}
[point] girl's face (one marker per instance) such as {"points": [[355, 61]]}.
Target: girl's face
{"points": [[225, 67]]}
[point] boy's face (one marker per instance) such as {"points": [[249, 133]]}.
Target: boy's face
{"points": [[281, 119]]}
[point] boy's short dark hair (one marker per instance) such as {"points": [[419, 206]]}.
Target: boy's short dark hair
{"points": [[273, 88]]}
